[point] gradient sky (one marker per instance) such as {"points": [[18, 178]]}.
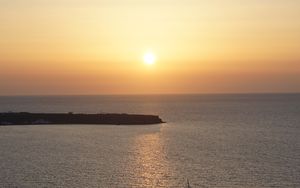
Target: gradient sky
{"points": [[97, 46]]}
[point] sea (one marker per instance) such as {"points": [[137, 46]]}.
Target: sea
{"points": [[208, 140]]}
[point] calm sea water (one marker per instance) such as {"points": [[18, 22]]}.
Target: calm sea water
{"points": [[213, 140]]}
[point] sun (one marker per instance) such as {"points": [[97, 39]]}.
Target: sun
{"points": [[149, 58]]}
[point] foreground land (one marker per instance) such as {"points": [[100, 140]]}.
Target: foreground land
{"points": [[25, 118]]}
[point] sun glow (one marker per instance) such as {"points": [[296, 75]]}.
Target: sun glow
{"points": [[149, 58]]}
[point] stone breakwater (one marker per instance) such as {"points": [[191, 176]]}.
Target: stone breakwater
{"points": [[25, 118]]}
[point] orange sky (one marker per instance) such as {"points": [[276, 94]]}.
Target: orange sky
{"points": [[97, 46]]}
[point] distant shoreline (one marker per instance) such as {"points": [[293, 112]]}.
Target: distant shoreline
{"points": [[26, 118]]}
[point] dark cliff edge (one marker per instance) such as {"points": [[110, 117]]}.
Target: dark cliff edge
{"points": [[25, 118]]}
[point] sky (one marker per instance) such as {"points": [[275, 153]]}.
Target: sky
{"points": [[64, 47]]}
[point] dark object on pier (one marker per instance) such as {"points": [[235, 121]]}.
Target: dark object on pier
{"points": [[25, 118]]}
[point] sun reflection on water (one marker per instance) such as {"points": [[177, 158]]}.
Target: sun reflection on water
{"points": [[151, 168]]}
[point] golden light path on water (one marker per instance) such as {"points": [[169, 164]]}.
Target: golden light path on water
{"points": [[152, 167]]}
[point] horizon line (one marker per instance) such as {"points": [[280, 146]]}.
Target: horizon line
{"points": [[153, 94]]}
